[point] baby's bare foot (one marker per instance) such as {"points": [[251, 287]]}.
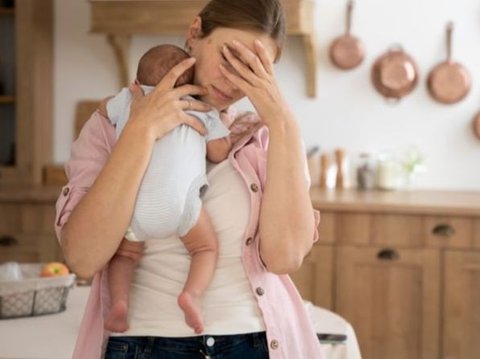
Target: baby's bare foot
{"points": [[117, 318], [192, 309]]}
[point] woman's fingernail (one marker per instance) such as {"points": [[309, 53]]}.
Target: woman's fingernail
{"points": [[225, 48], [258, 42], [235, 43]]}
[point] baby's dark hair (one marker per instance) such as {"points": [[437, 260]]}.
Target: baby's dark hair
{"points": [[156, 62]]}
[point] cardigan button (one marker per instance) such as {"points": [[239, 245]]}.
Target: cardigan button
{"points": [[66, 191], [274, 344], [260, 291], [249, 241], [254, 187]]}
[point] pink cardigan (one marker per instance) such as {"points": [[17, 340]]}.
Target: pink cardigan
{"points": [[290, 333]]}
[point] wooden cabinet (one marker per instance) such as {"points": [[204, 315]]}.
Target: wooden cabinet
{"points": [[27, 218], [392, 298], [403, 268], [26, 58], [461, 330], [314, 280]]}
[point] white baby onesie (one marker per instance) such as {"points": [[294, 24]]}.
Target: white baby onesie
{"points": [[168, 200]]}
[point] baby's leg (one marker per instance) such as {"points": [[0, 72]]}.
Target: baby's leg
{"points": [[120, 274], [201, 243]]}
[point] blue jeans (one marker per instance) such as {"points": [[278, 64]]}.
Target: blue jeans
{"points": [[240, 346]]}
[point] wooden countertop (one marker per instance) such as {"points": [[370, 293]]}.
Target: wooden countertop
{"points": [[31, 194], [434, 202]]}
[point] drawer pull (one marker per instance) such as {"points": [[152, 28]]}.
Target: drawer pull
{"points": [[388, 254], [8, 241], [443, 230]]}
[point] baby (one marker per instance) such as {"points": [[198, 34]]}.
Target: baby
{"points": [[168, 201]]}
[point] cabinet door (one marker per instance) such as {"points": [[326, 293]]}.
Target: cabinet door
{"points": [[461, 333], [314, 279], [26, 48], [392, 299]]}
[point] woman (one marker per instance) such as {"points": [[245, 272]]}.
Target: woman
{"points": [[258, 202]]}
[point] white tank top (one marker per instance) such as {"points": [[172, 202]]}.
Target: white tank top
{"points": [[229, 305]]}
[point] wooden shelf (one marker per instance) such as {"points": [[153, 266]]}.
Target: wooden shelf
{"points": [[7, 100], [121, 19], [7, 11]]}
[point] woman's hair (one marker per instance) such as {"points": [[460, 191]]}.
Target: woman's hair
{"points": [[264, 16]]}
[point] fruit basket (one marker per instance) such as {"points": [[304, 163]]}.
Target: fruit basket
{"points": [[32, 295]]}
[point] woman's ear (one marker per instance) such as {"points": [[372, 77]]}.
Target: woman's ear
{"points": [[195, 30]]}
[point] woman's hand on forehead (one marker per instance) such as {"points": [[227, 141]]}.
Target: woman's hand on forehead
{"points": [[254, 75]]}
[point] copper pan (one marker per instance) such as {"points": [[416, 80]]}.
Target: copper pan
{"points": [[449, 82], [476, 125], [395, 74], [346, 51]]}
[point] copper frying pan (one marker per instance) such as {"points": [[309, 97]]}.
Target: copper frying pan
{"points": [[346, 51], [449, 82], [395, 74]]}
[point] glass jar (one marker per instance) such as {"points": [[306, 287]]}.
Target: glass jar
{"points": [[389, 173]]}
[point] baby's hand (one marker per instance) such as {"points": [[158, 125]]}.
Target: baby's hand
{"points": [[244, 125], [102, 108]]}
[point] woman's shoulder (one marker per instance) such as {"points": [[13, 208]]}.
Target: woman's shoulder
{"points": [[98, 131]]}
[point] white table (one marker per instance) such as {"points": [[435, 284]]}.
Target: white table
{"points": [[53, 336]]}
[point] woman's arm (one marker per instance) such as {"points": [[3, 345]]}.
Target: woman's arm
{"points": [[97, 224], [287, 223]]}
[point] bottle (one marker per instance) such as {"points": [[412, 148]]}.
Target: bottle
{"points": [[324, 168], [365, 172], [340, 159]]}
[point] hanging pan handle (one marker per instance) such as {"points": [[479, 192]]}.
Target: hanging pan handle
{"points": [[449, 31], [349, 16]]}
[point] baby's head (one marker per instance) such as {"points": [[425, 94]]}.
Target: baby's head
{"points": [[156, 63]]}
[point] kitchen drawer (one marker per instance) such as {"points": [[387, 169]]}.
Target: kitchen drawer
{"points": [[24, 254], [379, 229], [450, 232], [28, 248], [476, 233], [326, 228], [26, 218]]}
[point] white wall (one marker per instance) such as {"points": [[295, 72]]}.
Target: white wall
{"points": [[347, 112]]}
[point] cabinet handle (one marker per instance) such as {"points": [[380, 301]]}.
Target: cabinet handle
{"points": [[388, 254], [443, 230], [8, 241]]}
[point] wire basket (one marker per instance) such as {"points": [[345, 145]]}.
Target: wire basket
{"points": [[33, 295]]}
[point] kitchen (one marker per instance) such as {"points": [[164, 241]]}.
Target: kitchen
{"points": [[346, 111]]}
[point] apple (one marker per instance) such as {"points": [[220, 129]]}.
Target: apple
{"points": [[54, 269]]}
